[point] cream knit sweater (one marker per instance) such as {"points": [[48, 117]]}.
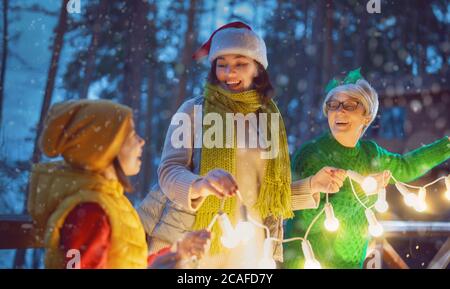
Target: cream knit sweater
{"points": [[175, 179]]}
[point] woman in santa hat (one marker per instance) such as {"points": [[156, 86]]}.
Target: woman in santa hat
{"points": [[195, 184]]}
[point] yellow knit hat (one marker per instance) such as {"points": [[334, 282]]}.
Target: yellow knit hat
{"points": [[87, 133]]}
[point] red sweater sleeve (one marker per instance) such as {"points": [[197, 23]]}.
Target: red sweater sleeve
{"points": [[151, 258], [87, 229]]}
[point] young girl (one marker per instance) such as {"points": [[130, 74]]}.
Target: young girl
{"points": [[79, 202], [194, 181], [350, 108]]}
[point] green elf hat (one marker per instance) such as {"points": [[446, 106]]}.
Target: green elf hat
{"points": [[351, 78]]}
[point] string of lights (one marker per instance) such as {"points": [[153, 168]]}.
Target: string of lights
{"points": [[245, 228]]}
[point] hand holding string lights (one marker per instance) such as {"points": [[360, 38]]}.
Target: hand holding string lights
{"points": [[371, 185], [244, 231], [417, 200], [231, 237]]}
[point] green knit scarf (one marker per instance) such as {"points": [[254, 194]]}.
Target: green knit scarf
{"points": [[274, 197]]}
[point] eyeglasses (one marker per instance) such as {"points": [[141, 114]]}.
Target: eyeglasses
{"points": [[348, 105]]}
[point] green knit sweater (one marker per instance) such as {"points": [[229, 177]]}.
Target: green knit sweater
{"points": [[346, 248]]}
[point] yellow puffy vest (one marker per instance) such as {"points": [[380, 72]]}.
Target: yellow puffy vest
{"points": [[54, 193]]}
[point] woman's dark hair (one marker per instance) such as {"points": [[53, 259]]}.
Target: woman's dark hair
{"points": [[262, 82], [123, 179]]}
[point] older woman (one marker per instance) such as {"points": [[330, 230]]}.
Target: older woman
{"points": [[350, 108]]}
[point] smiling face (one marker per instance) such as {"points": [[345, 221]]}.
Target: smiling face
{"points": [[236, 72], [130, 153], [346, 125]]}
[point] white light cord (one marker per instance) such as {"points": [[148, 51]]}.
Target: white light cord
{"points": [[290, 239], [313, 222], [213, 221], [305, 238], [435, 181], [354, 193], [419, 187], [260, 225], [406, 185]]}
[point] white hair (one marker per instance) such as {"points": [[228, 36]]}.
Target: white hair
{"points": [[361, 91]]}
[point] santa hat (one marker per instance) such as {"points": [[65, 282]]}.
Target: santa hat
{"points": [[234, 38]]}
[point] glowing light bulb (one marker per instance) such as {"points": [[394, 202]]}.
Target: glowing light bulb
{"points": [[368, 184], [420, 207], [381, 205], [331, 222], [229, 237], [267, 262], [409, 198], [245, 230], [312, 264], [310, 260], [375, 228], [447, 185], [421, 204]]}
